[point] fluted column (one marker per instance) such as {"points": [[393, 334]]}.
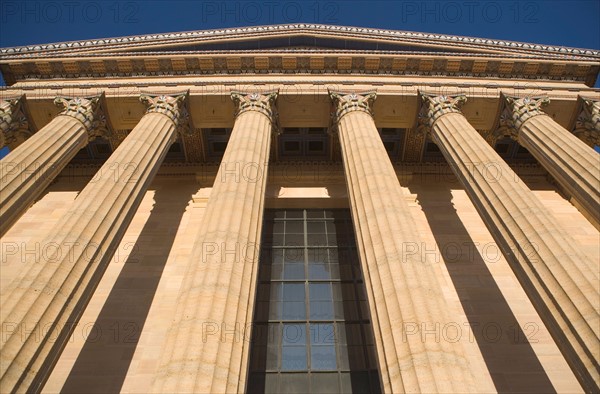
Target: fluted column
{"points": [[208, 345], [403, 287], [560, 281], [41, 306], [574, 165], [26, 171]]}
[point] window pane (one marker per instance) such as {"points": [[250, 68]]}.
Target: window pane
{"points": [[322, 334], [321, 310], [294, 334], [294, 383], [323, 358], [293, 271], [293, 292], [316, 240], [293, 310], [320, 291], [319, 271], [293, 358], [315, 227], [271, 381], [325, 383], [294, 239], [296, 227]]}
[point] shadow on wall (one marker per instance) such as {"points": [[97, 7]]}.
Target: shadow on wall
{"points": [[502, 340], [103, 363]]}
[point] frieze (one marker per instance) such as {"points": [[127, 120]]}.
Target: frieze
{"points": [[300, 63]]}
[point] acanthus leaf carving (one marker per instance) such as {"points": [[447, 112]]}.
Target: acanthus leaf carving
{"points": [[517, 110], [255, 101], [434, 106], [14, 124], [89, 111], [348, 102], [174, 106]]}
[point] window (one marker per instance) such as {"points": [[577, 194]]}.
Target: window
{"points": [[311, 331], [303, 143], [393, 141], [216, 142]]}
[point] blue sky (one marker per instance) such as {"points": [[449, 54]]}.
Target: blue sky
{"points": [[560, 22]]}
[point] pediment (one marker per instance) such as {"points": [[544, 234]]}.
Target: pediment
{"points": [[299, 48]]}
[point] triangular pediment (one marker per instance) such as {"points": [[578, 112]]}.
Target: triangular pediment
{"points": [[298, 48]]}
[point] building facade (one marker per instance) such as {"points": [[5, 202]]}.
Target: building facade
{"points": [[300, 208]]}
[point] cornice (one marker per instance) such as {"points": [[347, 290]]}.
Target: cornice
{"points": [[397, 35]]}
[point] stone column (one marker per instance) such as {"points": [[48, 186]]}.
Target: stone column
{"points": [[403, 287], [560, 281], [41, 306], [574, 165], [207, 349], [29, 169]]}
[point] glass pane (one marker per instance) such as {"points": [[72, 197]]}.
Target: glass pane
{"points": [[319, 271], [272, 357], [275, 292], [294, 256], [294, 383], [316, 240], [278, 239], [296, 227], [314, 213], [320, 291], [276, 271], [278, 227], [321, 310], [322, 334], [275, 310], [315, 227], [294, 334], [271, 381], [293, 292], [293, 358], [323, 358], [324, 383], [293, 310], [293, 271], [294, 239]]}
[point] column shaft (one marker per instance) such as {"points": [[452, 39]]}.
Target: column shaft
{"points": [[403, 285], [29, 169], [45, 301], [207, 347], [574, 165], [559, 280]]}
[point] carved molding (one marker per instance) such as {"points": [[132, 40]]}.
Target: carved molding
{"points": [[89, 111], [435, 106], [517, 110], [174, 106], [348, 102], [255, 101], [14, 124]]}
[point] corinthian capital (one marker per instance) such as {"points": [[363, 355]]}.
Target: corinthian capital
{"points": [[348, 102], [89, 111], [434, 106], [261, 102], [14, 125], [517, 110], [587, 125]]}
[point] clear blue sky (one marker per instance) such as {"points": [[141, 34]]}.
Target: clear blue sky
{"points": [[560, 22]]}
